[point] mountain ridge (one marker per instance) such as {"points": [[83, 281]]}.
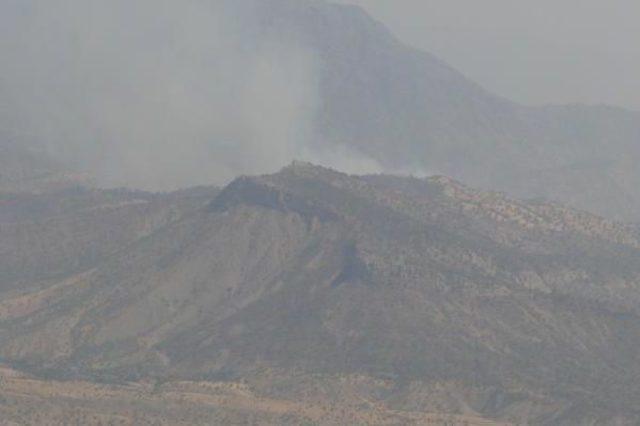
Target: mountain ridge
{"points": [[408, 110], [310, 271]]}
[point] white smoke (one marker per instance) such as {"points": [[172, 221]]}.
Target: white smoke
{"points": [[156, 94]]}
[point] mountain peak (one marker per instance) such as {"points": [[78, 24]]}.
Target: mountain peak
{"points": [[306, 168]]}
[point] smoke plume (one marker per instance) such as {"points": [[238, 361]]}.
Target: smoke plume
{"points": [[155, 94]]}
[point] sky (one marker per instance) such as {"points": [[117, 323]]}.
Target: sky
{"points": [[537, 52]]}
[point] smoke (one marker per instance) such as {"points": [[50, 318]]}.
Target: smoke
{"points": [[155, 94]]}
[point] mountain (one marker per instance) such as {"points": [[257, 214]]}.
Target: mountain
{"points": [[24, 170], [356, 293], [380, 100], [408, 110]]}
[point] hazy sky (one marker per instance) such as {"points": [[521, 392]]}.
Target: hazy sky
{"points": [[544, 51]]}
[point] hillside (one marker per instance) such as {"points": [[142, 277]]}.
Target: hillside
{"points": [[443, 299], [189, 403]]}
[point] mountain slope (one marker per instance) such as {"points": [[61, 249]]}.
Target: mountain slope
{"points": [[60, 233], [27, 400], [527, 312], [410, 111]]}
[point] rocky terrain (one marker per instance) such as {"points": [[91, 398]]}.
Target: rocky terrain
{"points": [[26, 400], [422, 296]]}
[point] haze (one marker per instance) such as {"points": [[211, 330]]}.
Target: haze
{"points": [[568, 51], [160, 95], [154, 94], [447, 251]]}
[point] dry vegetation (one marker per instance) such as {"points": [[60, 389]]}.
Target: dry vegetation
{"points": [[25, 400]]}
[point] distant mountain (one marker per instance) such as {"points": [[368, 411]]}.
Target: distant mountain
{"points": [[410, 111], [439, 297], [24, 170]]}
